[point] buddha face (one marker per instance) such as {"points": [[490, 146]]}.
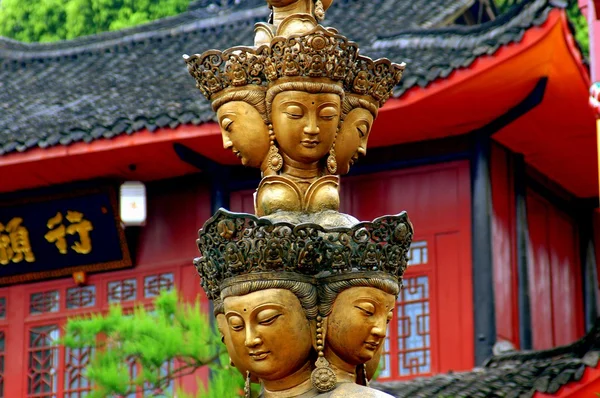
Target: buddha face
{"points": [[352, 139], [305, 124], [244, 132], [357, 324], [261, 326]]}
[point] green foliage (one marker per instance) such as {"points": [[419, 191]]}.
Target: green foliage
{"points": [[581, 28], [51, 20], [173, 333], [573, 12]]}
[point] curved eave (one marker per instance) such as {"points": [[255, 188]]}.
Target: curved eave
{"points": [[587, 386], [557, 137], [466, 100]]}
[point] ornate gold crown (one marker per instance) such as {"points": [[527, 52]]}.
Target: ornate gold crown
{"points": [[216, 71], [239, 245], [374, 78], [320, 53]]}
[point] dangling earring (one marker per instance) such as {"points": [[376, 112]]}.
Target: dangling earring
{"points": [[331, 162], [275, 159], [323, 377], [364, 368], [247, 389], [319, 10]]}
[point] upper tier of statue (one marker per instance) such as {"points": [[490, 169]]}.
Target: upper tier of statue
{"points": [[302, 293], [300, 108]]}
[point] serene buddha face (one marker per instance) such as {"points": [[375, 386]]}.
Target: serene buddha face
{"points": [[305, 124], [357, 324], [269, 332], [244, 132], [352, 139]]}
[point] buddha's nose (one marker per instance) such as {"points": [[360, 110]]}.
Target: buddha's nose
{"points": [[311, 127]]}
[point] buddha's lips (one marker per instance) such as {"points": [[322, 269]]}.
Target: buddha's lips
{"points": [[259, 355], [310, 143], [371, 345]]}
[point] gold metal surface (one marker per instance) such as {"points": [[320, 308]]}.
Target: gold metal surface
{"points": [[304, 293], [270, 336]]}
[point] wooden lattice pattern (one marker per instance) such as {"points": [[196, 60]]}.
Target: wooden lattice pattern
{"points": [[42, 369], [154, 284], [43, 302], [123, 290], [81, 297], [76, 384]]}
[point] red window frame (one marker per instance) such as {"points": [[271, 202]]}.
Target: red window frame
{"points": [[22, 322], [397, 328]]}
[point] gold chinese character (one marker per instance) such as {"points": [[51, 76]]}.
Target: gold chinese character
{"points": [[57, 235], [81, 227], [78, 226], [14, 243]]}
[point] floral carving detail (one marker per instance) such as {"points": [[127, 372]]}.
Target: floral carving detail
{"points": [[234, 244]]}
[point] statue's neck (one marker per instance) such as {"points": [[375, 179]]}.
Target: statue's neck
{"points": [[305, 171], [345, 372], [298, 7], [291, 386]]}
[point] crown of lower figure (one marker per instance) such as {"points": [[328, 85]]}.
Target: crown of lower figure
{"points": [[238, 246], [217, 71]]}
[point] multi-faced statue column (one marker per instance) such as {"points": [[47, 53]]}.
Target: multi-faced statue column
{"points": [[300, 106]]}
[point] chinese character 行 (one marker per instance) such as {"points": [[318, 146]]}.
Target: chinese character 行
{"points": [[14, 243], [78, 225]]}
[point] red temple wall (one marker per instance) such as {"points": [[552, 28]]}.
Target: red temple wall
{"points": [[504, 252], [554, 275]]}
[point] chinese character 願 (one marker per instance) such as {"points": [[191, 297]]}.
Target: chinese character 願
{"points": [[14, 243]]}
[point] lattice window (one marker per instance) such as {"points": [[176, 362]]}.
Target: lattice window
{"points": [[81, 297], [417, 253], [2, 307], [154, 284], [41, 303], [42, 362], [76, 384], [125, 290], [2, 348], [414, 343]]}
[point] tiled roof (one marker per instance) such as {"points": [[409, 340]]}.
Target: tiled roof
{"points": [[122, 82], [512, 375]]}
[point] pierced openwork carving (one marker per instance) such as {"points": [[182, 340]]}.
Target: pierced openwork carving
{"points": [[235, 244]]}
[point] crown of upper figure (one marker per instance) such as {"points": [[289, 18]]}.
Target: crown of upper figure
{"points": [[241, 245], [320, 53], [217, 71], [376, 79]]}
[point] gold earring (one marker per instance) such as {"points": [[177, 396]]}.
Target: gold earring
{"points": [[323, 377], [275, 159], [331, 162], [319, 10], [247, 389]]}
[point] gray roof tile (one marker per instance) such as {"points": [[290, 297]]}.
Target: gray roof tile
{"points": [[121, 82], [516, 374]]}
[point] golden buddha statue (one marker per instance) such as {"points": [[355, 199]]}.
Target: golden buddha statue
{"points": [[300, 106], [305, 284]]}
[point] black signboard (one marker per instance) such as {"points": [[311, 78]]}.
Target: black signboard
{"points": [[56, 236]]}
